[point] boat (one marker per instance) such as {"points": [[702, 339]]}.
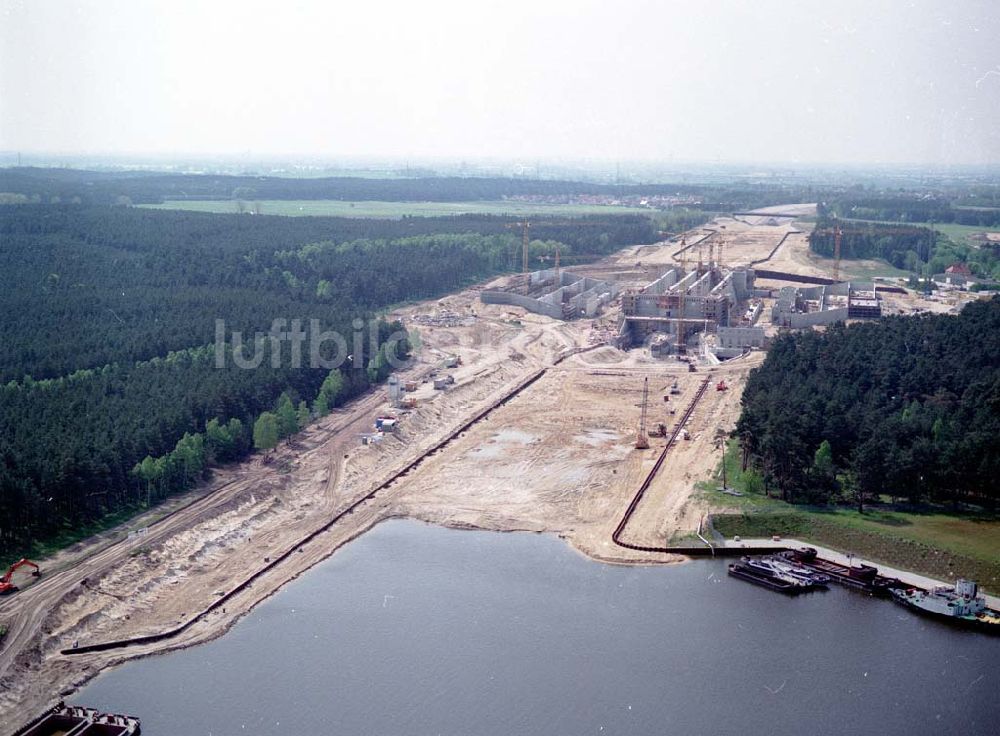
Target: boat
{"points": [[961, 605], [861, 576], [766, 567], [788, 567], [764, 578]]}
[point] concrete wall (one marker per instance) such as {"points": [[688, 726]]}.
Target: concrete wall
{"points": [[520, 300], [581, 294], [809, 319], [741, 337]]}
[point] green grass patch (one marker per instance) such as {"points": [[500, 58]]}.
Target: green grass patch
{"points": [[931, 541], [393, 210], [961, 234]]}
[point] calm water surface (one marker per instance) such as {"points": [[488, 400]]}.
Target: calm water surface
{"points": [[414, 629]]}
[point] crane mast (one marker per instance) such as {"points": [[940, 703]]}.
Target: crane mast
{"points": [[641, 439]]}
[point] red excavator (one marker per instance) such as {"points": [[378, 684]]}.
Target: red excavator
{"points": [[6, 586]]}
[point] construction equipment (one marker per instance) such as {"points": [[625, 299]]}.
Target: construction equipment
{"points": [[721, 386], [525, 226], [641, 440], [6, 586], [660, 430], [837, 235]]}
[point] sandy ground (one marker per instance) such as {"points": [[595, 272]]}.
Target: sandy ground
{"points": [[557, 458]]}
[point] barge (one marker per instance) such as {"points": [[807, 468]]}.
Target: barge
{"points": [[74, 720], [765, 579], [863, 577]]}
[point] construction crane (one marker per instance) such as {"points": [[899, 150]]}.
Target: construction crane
{"points": [[525, 226], [683, 254], [837, 235], [641, 440], [6, 586]]}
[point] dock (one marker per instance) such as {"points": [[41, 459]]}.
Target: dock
{"points": [[773, 546]]}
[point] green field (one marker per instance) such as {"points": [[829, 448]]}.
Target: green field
{"points": [[932, 541], [393, 210], [958, 233], [961, 233]]}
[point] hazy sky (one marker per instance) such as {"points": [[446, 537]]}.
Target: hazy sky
{"points": [[761, 80]]}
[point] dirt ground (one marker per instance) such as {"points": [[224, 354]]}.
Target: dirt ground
{"points": [[558, 457]]}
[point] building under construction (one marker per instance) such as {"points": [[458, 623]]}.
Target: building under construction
{"points": [[554, 293], [800, 307], [681, 303]]}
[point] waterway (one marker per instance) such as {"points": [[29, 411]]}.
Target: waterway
{"points": [[415, 629]]}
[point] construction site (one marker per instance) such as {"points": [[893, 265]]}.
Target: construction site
{"points": [[510, 416]]}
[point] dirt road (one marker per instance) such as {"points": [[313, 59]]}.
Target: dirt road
{"points": [[559, 457]]}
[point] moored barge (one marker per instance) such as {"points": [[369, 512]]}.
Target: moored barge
{"points": [[74, 720], [863, 577], [765, 579]]}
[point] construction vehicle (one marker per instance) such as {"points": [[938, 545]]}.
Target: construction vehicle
{"points": [[641, 440], [675, 389], [6, 586], [721, 386], [659, 430]]}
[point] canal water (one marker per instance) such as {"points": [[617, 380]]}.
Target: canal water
{"points": [[415, 629]]}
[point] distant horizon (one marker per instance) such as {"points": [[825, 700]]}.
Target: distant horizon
{"points": [[800, 84], [164, 162]]}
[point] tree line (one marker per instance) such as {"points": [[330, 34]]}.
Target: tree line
{"points": [[108, 284], [906, 408], [69, 186], [920, 208], [904, 246], [110, 394]]}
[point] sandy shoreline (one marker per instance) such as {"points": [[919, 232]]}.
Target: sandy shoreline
{"points": [[557, 458]]}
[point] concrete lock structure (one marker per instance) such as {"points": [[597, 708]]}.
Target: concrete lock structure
{"points": [[681, 303], [556, 294]]}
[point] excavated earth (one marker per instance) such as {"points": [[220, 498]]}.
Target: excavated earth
{"points": [[558, 457]]}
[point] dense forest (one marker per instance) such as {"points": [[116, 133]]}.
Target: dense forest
{"points": [[908, 407], [110, 396], [110, 284], [920, 249], [109, 188], [920, 208], [904, 246]]}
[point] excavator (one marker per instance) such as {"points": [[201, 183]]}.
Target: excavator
{"points": [[6, 586]]}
